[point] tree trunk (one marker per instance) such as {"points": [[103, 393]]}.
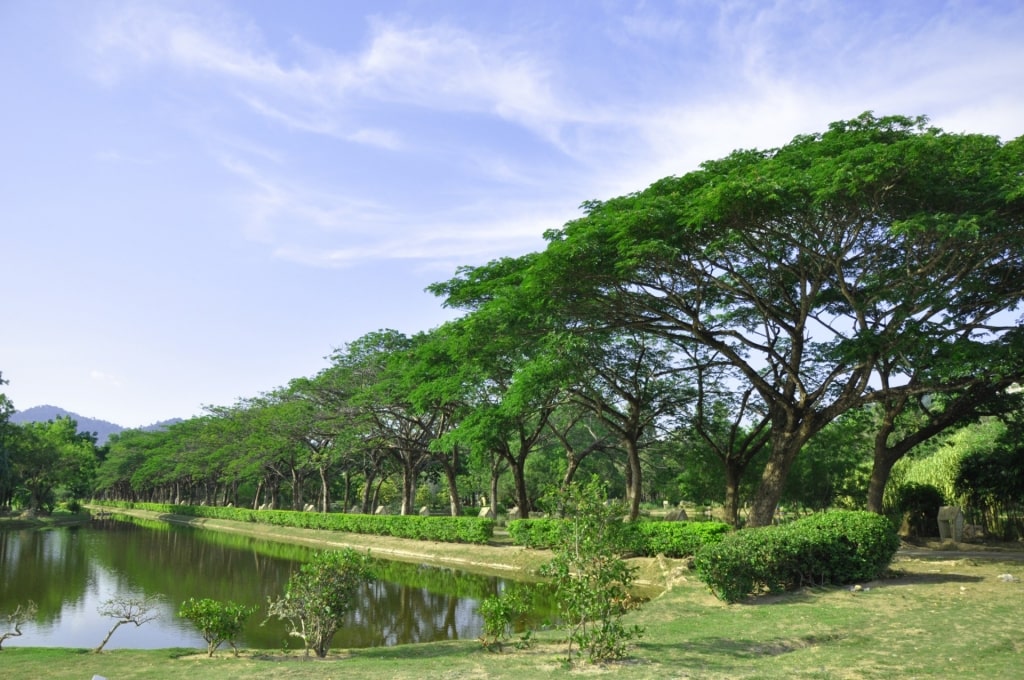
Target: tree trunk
{"points": [[572, 465], [519, 477], [495, 476], [885, 459], [634, 488], [732, 493], [110, 633], [346, 503], [451, 476], [325, 491], [408, 488], [256, 496], [368, 493], [296, 490], [785, 447]]}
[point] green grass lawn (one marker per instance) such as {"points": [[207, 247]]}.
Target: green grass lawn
{"points": [[933, 619]]}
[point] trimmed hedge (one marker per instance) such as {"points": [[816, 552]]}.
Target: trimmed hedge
{"points": [[643, 537], [678, 539], [837, 547], [539, 534], [444, 529]]}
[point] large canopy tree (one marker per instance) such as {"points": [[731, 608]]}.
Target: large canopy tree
{"points": [[811, 268], [634, 385], [51, 455], [512, 368]]}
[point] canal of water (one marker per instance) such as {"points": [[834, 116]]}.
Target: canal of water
{"points": [[70, 571]]}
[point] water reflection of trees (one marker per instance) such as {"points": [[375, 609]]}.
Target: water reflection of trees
{"points": [[51, 565], [405, 603]]}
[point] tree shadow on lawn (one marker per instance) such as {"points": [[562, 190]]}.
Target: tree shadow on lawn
{"points": [[430, 650], [701, 651], [917, 578], [894, 580]]}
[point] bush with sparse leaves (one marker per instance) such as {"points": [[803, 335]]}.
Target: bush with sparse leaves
{"points": [[21, 615], [319, 595], [592, 581], [500, 613], [218, 622]]}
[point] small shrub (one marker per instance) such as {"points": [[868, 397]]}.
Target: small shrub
{"points": [[591, 579], [500, 613], [837, 547], [217, 622], [319, 595]]}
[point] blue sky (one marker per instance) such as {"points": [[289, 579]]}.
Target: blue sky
{"points": [[202, 199]]}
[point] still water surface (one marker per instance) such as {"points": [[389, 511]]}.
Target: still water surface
{"points": [[68, 572]]}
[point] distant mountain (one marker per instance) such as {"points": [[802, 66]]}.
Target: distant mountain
{"points": [[101, 428]]}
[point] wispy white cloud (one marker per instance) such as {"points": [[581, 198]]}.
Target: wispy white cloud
{"points": [[276, 208], [437, 245], [326, 229], [766, 72], [438, 67]]}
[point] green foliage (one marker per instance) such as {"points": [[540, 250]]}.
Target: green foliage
{"points": [[643, 537], [833, 468], [46, 456], [319, 595], [590, 577], [992, 484], [836, 547], [217, 622], [677, 539], [919, 505], [940, 468], [540, 534], [500, 613], [441, 528]]}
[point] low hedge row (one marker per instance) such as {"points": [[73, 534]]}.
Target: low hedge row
{"points": [[643, 537], [678, 539], [445, 529], [836, 547]]}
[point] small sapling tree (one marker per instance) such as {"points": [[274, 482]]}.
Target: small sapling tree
{"points": [[319, 595], [125, 609], [500, 613], [21, 615], [218, 622], [591, 578]]}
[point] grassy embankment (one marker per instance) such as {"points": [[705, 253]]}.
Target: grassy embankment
{"points": [[933, 619]]}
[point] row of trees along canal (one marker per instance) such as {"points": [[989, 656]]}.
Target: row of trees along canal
{"points": [[705, 338]]}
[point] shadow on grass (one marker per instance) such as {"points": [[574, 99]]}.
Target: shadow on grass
{"points": [[907, 579], [395, 653], [417, 651], [896, 580], [702, 651]]}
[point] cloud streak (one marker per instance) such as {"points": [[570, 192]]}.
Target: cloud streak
{"points": [[434, 90]]}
